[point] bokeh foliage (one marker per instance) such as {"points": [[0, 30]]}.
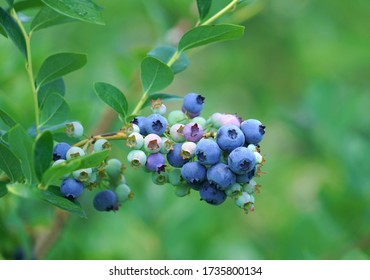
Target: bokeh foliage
{"points": [[302, 69]]}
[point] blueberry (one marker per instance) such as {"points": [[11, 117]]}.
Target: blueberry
{"points": [[175, 178], [245, 178], [123, 192], [60, 151], [167, 145], [245, 201], [71, 188], [140, 122], [160, 178], [182, 191], [194, 172], [176, 116], [193, 132], [114, 169], [105, 200], [208, 152], [137, 158], [75, 152], [176, 132], [152, 143], [74, 129], [155, 162], [193, 103], [156, 124], [135, 140], [210, 194], [82, 175], [174, 157], [101, 144], [241, 160], [221, 175], [227, 119], [158, 107], [229, 137], [188, 149], [253, 131]]}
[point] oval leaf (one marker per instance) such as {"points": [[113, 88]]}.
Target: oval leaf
{"points": [[8, 120], [56, 172], [21, 145], [43, 153], [47, 17], [112, 96], [3, 189], [54, 110], [13, 31], [203, 8], [207, 34], [56, 86], [84, 10], [58, 65], [27, 4], [9, 163], [22, 190], [162, 96], [165, 53], [155, 75], [53, 196]]}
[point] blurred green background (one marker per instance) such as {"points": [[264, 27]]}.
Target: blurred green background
{"points": [[302, 68]]}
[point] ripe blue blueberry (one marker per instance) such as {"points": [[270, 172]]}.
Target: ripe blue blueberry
{"points": [[60, 151], [221, 176], [193, 103], [253, 131], [155, 162], [140, 122], [71, 188], [210, 194], [155, 123], [174, 157], [229, 137], [208, 152], [241, 160], [106, 200], [193, 132], [194, 172], [245, 178]]}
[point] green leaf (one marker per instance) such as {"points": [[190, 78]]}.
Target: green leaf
{"points": [[54, 110], [3, 189], [113, 97], [58, 171], [207, 34], [28, 4], [155, 75], [43, 153], [58, 65], [2, 32], [10, 2], [9, 163], [165, 53], [22, 190], [47, 17], [84, 10], [56, 86], [53, 196], [203, 7], [21, 145], [13, 31], [8, 120], [162, 96]]}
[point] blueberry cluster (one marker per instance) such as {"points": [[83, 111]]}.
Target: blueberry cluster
{"points": [[217, 157], [108, 175]]}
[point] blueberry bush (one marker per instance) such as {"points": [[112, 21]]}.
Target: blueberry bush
{"points": [[54, 160]]}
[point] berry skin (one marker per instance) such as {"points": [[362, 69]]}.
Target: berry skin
{"points": [[152, 143], [156, 124], [123, 193], [210, 194], [229, 137], [155, 162], [140, 122], [160, 178], [175, 178], [245, 178], [105, 200], [158, 107], [71, 188], [75, 152], [101, 144], [82, 175], [200, 120], [174, 157], [250, 187], [234, 190], [135, 140], [176, 132], [167, 145], [241, 160], [194, 172], [221, 176], [113, 169], [193, 103], [208, 152], [253, 131], [227, 119], [60, 151], [176, 116], [137, 158], [182, 191], [244, 201], [74, 129], [193, 132]]}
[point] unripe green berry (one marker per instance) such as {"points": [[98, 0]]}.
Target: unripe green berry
{"points": [[75, 152], [234, 190], [82, 175], [75, 129], [182, 190], [167, 145], [160, 178], [123, 193], [176, 116], [102, 144], [175, 178], [135, 140], [176, 132], [137, 158]]}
